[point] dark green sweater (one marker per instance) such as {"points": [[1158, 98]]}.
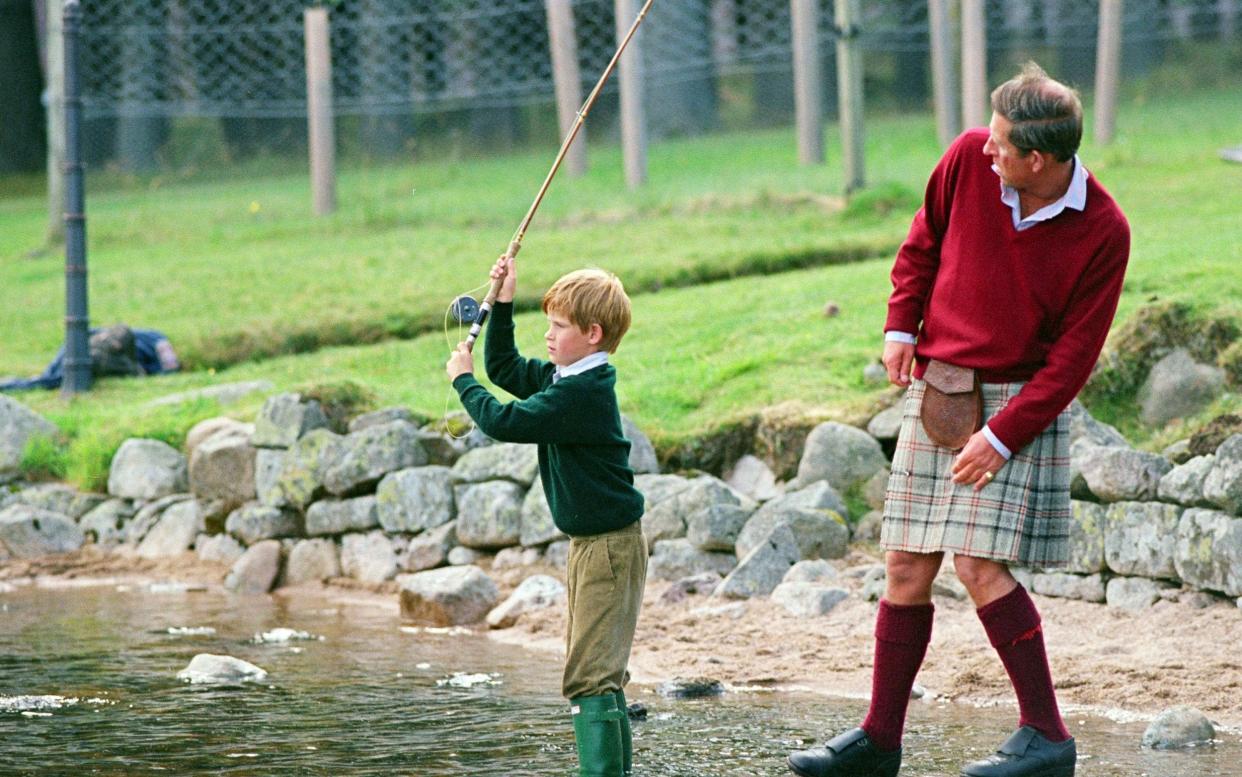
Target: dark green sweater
{"points": [[583, 454]]}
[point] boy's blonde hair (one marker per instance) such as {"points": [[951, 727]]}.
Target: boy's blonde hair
{"points": [[588, 297]]}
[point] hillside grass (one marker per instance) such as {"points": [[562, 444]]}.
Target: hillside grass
{"points": [[191, 259]]}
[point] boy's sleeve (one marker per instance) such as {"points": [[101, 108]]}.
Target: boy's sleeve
{"points": [[505, 366], [550, 417]]}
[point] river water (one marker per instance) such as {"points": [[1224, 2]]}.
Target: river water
{"points": [[365, 696]]}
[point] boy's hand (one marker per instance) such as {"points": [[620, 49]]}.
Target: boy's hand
{"points": [[505, 268], [460, 363]]}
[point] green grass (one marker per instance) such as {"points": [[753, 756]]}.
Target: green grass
{"points": [[225, 283]]}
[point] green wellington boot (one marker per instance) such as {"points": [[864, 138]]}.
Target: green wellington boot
{"points": [[627, 736], [597, 730]]}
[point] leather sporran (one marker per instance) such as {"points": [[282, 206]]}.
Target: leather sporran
{"points": [[952, 404]]}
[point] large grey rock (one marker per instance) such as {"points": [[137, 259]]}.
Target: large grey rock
{"points": [[1208, 552], [676, 559], [642, 453], [221, 548], [443, 449], [1124, 474], [716, 526], [1088, 588], [515, 557], [1084, 426], [763, 568], [1087, 535], [312, 561], [380, 417], [556, 555], [1178, 387], [1223, 484], [285, 419], [429, 549], [255, 522], [656, 488], [368, 557], [255, 572], [360, 459], [537, 592], [223, 467], [57, 498], [463, 556], [506, 461], [538, 527], [489, 515], [175, 532], [268, 463], [147, 516], [667, 518], [811, 571], [103, 524], [147, 469], [207, 668], [18, 424], [818, 527], [301, 478], [205, 430], [412, 500], [1184, 483], [1140, 538], [337, 516], [840, 454], [1177, 727], [886, 424], [875, 490], [808, 600], [749, 475], [27, 532], [447, 597], [1133, 593]]}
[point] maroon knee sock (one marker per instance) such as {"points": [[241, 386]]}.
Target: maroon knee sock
{"points": [[1013, 627], [901, 636]]}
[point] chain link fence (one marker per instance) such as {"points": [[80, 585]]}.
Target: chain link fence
{"points": [[414, 68]]}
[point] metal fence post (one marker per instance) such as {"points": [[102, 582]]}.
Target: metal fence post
{"points": [[567, 80], [808, 86], [77, 365], [850, 92], [1107, 70], [633, 112], [319, 112]]}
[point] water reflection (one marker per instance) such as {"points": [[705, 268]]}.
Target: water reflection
{"points": [[369, 699]]}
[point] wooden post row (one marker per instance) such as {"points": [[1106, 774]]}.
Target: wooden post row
{"points": [[319, 111]]}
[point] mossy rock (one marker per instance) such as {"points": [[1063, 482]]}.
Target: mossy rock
{"points": [[1219, 429], [340, 400], [1230, 360]]}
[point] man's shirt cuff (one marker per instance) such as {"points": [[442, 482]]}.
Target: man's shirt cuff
{"points": [[899, 337], [997, 444]]}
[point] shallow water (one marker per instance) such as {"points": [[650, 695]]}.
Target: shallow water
{"points": [[373, 699]]}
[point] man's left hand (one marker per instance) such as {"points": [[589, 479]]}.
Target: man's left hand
{"points": [[978, 462], [460, 362]]}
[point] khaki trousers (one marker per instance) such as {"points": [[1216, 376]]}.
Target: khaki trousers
{"points": [[605, 576]]}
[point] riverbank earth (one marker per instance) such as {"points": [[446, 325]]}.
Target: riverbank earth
{"points": [[1105, 660]]}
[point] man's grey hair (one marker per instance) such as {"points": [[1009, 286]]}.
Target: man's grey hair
{"points": [[1046, 114]]}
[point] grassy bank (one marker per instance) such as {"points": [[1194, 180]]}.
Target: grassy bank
{"points": [[227, 283]]}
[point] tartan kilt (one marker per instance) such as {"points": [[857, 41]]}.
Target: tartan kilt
{"points": [[1022, 517]]}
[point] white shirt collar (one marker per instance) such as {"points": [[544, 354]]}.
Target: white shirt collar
{"points": [[588, 362], [1075, 197]]}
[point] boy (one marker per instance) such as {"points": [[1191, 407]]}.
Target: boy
{"points": [[568, 406]]}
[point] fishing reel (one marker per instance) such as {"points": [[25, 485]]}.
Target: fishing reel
{"points": [[465, 309]]}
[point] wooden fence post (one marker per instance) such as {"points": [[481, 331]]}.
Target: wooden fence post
{"points": [[567, 79], [944, 95], [1107, 70], [319, 111], [55, 52], [633, 113], [974, 64], [850, 92], [808, 81]]}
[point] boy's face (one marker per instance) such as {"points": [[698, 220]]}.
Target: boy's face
{"points": [[567, 343]]}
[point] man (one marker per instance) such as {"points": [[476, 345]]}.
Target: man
{"points": [[1012, 268]]}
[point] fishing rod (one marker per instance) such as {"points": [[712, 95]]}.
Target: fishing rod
{"points": [[464, 308]]}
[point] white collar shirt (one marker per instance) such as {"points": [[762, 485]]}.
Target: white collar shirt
{"points": [[1075, 197], [588, 362]]}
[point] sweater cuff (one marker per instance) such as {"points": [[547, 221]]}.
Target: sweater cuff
{"points": [[464, 381]]}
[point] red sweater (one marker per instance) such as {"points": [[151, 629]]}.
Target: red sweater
{"points": [[1033, 306]]}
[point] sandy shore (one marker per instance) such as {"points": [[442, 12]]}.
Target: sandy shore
{"points": [[1104, 660]]}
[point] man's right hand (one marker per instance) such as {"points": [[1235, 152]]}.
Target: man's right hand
{"points": [[507, 268], [898, 358]]}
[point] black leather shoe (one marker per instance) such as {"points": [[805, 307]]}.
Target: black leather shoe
{"points": [[851, 754], [1026, 753]]}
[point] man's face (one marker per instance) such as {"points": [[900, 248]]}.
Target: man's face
{"points": [[566, 342], [1015, 168]]}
